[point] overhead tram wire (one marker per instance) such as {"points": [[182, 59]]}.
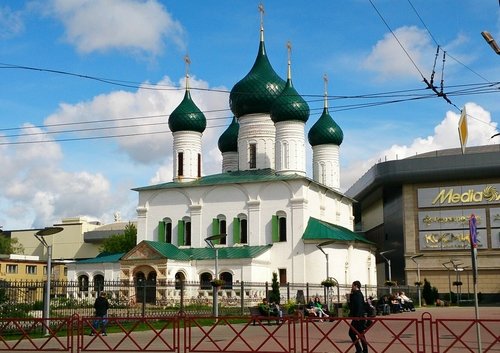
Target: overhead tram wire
{"points": [[458, 61], [436, 42], [120, 83], [397, 39], [336, 108]]}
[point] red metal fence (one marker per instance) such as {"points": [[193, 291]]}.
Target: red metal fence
{"points": [[238, 334]]}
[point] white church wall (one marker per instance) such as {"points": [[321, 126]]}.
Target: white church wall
{"points": [[227, 200]]}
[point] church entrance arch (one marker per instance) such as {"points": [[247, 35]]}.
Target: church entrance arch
{"points": [[145, 286], [179, 278], [227, 277]]}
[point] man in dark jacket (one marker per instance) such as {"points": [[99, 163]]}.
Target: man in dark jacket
{"points": [[101, 306], [357, 309]]}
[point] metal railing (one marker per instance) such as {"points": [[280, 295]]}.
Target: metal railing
{"points": [[158, 298]]}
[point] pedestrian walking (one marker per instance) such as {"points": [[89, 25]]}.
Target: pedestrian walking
{"points": [[357, 310], [101, 306]]}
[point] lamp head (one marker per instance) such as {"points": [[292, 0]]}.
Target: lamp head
{"points": [[210, 239], [48, 231]]}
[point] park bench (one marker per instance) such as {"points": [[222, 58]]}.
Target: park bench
{"points": [[256, 314]]}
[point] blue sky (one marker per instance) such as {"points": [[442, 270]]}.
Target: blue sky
{"points": [[126, 74]]}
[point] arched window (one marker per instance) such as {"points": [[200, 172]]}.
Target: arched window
{"points": [[279, 227], [184, 232], [179, 278], [252, 154], [140, 287], [199, 165], [98, 283], [205, 279], [240, 229], [219, 226], [227, 277], [180, 163], [165, 230], [83, 283]]}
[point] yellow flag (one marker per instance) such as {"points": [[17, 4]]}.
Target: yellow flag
{"points": [[462, 130]]}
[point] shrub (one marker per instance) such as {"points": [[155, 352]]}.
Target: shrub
{"points": [[274, 296]]}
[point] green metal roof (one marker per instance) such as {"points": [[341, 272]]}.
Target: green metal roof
{"points": [[256, 92], [187, 116], [321, 230], [102, 258], [237, 177], [228, 141], [168, 250], [289, 106], [235, 252], [325, 131]]}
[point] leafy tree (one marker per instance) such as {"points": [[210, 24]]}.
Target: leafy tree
{"points": [[10, 245], [121, 242], [274, 296]]}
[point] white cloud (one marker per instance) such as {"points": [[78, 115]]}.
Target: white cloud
{"points": [[151, 142], [389, 60], [139, 26], [11, 23], [38, 192], [480, 127]]}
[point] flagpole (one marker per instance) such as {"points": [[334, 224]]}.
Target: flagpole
{"points": [[473, 247]]}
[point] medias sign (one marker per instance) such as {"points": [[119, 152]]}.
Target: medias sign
{"points": [[459, 195]]}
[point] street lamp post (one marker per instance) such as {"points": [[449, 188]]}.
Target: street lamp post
{"points": [[418, 278], [389, 265], [320, 247], [46, 300], [215, 295]]}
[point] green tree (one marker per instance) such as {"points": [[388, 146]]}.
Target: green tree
{"points": [[10, 245], [274, 296], [121, 242]]}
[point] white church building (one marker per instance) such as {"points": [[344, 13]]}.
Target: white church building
{"points": [[263, 212]]}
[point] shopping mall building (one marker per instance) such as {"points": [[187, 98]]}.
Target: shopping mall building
{"points": [[417, 211]]}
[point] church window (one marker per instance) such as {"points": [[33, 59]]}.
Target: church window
{"points": [[184, 232], [219, 227], [205, 279], [83, 283], [180, 163], [240, 229], [282, 276], [188, 233], [279, 227], [165, 230], [252, 156], [227, 277], [199, 165], [98, 283]]}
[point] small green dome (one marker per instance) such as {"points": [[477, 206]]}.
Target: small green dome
{"points": [[256, 92], [187, 116], [289, 106], [228, 141], [325, 131]]}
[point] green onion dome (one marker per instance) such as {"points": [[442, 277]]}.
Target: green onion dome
{"points": [[289, 105], [228, 141], [325, 131], [187, 116], [257, 91]]}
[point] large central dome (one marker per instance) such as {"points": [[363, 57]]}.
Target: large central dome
{"points": [[257, 91]]}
